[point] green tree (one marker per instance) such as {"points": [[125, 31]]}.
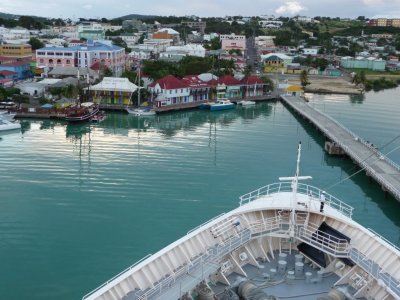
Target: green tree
{"points": [[35, 43], [26, 22], [107, 72], [304, 79], [269, 83], [321, 63], [141, 39], [248, 69]]}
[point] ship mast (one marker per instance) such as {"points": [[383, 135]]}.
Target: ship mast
{"points": [[295, 183]]}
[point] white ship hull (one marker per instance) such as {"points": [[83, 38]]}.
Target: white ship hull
{"points": [[250, 240]]}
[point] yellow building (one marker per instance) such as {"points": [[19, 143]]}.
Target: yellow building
{"points": [[276, 62], [294, 90], [17, 51]]}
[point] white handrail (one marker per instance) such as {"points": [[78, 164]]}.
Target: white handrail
{"points": [[304, 189], [119, 274]]}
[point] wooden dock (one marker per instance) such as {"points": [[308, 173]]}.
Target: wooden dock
{"points": [[377, 165]]}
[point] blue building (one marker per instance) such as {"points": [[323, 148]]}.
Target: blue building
{"points": [[21, 69]]}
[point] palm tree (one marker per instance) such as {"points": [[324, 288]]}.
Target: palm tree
{"points": [[304, 79]]}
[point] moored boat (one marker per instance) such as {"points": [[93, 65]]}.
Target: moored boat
{"points": [[7, 125], [247, 103], [222, 104], [83, 112], [285, 241], [6, 115], [99, 117], [141, 111]]}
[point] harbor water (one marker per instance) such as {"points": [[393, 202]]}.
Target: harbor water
{"points": [[80, 203]]}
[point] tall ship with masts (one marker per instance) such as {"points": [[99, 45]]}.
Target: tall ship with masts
{"points": [[286, 240]]}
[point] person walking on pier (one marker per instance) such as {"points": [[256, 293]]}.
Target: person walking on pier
{"points": [[322, 199]]}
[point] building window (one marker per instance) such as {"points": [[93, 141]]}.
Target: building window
{"points": [[41, 61], [50, 61], [68, 62], [58, 61]]}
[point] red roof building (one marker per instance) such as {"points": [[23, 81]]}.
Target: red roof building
{"points": [[168, 82], [172, 91]]}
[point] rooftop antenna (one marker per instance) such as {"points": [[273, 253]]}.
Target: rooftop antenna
{"points": [[295, 182]]}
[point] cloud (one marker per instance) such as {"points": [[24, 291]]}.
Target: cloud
{"points": [[88, 6], [290, 8]]}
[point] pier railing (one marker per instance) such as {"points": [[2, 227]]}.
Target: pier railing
{"points": [[362, 161], [311, 191]]}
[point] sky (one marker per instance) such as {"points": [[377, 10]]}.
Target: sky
{"points": [[203, 8]]}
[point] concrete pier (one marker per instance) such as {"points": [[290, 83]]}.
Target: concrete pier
{"points": [[382, 169]]}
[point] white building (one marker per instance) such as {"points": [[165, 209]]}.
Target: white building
{"points": [[18, 35], [309, 51], [209, 37], [156, 45], [85, 26], [189, 49], [270, 23]]}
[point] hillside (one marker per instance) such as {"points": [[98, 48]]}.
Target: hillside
{"points": [[136, 16]]}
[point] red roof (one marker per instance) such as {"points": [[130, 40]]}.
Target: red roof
{"points": [[194, 81], [95, 66], [228, 80], [251, 80], [5, 80], [76, 42], [7, 73], [169, 82]]}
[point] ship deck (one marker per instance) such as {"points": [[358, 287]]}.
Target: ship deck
{"points": [[276, 285]]}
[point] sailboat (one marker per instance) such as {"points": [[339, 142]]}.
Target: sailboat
{"points": [[140, 111]]}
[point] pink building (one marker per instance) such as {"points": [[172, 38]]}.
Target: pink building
{"points": [[94, 53], [232, 41]]}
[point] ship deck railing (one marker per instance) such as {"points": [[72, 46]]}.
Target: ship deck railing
{"points": [[116, 276], [313, 192], [376, 271], [323, 241], [212, 255]]}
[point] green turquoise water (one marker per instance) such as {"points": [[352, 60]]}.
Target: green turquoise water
{"points": [[81, 203]]}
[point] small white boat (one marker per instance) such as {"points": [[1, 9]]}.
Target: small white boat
{"points": [[246, 103], [222, 104], [6, 115], [141, 111], [7, 125]]}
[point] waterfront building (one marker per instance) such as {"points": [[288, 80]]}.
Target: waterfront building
{"points": [[169, 90], [23, 51], [199, 89], [252, 86], [294, 90], [227, 86], [370, 63], [103, 53], [113, 91]]}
